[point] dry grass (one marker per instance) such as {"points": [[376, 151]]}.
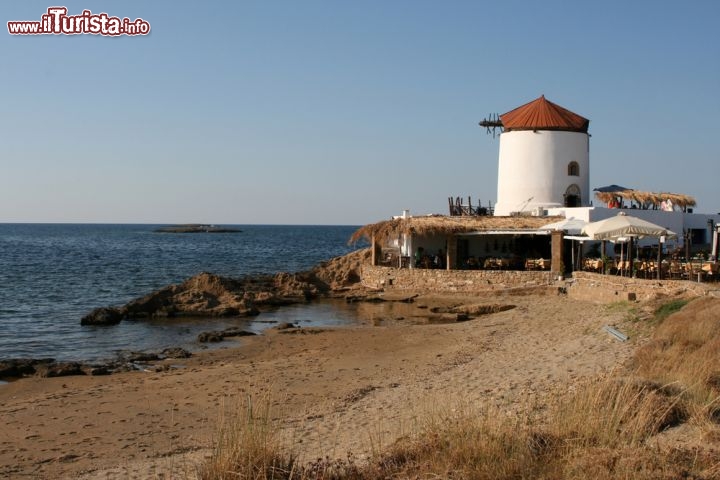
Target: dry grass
{"points": [[607, 428], [603, 428], [686, 349], [247, 445], [616, 411]]}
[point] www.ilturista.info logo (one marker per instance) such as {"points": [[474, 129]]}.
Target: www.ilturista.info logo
{"points": [[57, 22]]}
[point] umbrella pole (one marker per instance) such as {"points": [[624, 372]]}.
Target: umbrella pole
{"points": [[580, 259], [659, 260]]}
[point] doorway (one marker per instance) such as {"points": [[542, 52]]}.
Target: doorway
{"points": [[572, 196]]}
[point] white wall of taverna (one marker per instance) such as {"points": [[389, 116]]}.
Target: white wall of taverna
{"points": [[534, 170]]}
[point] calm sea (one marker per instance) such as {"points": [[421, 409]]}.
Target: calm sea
{"points": [[53, 274]]}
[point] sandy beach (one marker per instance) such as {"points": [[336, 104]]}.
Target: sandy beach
{"points": [[334, 390]]}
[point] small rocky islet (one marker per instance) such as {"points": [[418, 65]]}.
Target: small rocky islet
{"points": [[196, 228]]}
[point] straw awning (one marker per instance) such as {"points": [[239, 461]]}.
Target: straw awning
{"points": [[650, 198], [444, 225]]}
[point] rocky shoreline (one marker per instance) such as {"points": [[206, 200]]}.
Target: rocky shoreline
{"points": [[204, 295], [210, 295], [15, 368]]}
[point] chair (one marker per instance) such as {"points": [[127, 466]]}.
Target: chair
{"points": [[711, 270], [675, 270], [622, 266], [695, 271], [651, 269]]}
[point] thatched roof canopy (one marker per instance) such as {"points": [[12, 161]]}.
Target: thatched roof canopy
{"points": [[679, 199], [647, 197], [444, 225]]}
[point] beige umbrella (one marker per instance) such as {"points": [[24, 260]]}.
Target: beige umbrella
{"points": [[572, 225], [623, 225]]}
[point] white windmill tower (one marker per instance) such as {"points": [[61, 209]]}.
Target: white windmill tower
{"points": [[544, 159]]}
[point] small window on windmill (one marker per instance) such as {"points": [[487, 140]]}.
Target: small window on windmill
{"points": [[573, 169]]}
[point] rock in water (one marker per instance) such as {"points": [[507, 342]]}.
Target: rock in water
{"points": [[217, 336], [61, 369], [175, 352], [285, 326], [19, 367], [196, 228], [103, 316], [202, 295]]}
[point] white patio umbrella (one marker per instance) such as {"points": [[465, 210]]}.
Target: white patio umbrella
{"points": [[572, 225], [623, 225]]}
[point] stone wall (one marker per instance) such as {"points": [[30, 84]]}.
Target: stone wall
{"points": [[583, 285], [613, 288], [461, 281]]}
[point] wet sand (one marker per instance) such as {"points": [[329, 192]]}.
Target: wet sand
{"points": [[333, 390]]}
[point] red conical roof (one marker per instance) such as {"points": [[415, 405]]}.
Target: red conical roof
{"points": [[541, 114]]}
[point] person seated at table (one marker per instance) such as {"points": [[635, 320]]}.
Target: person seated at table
{"points": [[438, 259], [418, 256]]}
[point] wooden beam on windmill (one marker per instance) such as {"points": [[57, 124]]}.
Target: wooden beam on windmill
{"points": [[492, 123]]}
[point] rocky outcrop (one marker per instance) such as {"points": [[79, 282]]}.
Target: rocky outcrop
{"points": [[22, 367], [209, 295], [342, 273], [202, 295], [47, 367], [40, 367], [60, 369], [219, 335], [103, 316], [175, 352]]}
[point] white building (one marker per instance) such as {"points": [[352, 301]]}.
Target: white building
{"points": [[544, 159], [544, 169]]}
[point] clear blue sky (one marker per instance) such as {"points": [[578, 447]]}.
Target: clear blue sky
{"points": [[338, 112]]}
